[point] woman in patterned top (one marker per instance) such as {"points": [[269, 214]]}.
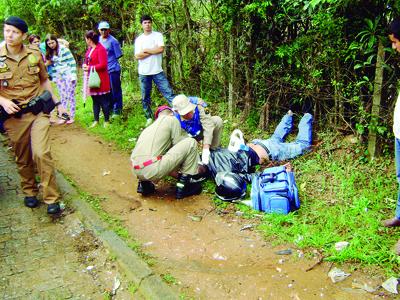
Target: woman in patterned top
{"points": [[63, 72]]}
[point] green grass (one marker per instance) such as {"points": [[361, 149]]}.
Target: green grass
{"points": [[344, 197]]}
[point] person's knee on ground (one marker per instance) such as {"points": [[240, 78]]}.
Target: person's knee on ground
{"points": [[145, 187], [185, 187]]}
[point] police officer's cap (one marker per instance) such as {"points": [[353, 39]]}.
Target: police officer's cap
{"points": [[18, 23]]}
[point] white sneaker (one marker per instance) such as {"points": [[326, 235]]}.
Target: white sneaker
{"points": [[106, 124], [94, 124], [148, 122]]}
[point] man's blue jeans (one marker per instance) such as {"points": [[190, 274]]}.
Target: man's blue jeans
{"points": [[116, 92], [279, 150], [397, 159], [146, 84]]}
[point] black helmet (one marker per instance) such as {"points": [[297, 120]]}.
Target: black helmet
{"points": [[230, 186]]}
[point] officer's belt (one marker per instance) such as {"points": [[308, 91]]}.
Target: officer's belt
{"points": [[265, 148], [147, 163]]}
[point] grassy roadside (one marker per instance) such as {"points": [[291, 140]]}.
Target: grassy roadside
{"points": [[344, 197]]}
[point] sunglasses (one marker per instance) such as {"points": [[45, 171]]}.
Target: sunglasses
{"points": [[103, 29]]}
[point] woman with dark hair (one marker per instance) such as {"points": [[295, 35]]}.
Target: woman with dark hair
{"points": [[34, 39], [96, 59], [63, 73]]}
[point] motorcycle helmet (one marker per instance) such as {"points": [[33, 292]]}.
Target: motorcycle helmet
{"points": [[229, 186]]}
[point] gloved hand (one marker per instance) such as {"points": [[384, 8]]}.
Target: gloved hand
{"points": [[205, 156]]}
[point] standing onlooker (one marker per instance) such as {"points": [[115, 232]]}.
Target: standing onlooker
{"points": [[62, 72], [96, 59], [26, 79], [114, 69], [394, 36], [149, 47]]}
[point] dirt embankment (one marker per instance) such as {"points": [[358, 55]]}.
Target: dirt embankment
{"points": [[209, 255]]}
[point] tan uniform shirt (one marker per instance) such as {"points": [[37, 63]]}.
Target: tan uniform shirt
{"points": [[20, 79], [208, 125], [157, 139]]}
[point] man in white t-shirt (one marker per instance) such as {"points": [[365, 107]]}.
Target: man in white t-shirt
{"points": [[149, 47], [394, 36]]}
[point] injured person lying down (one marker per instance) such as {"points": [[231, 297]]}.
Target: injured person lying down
{"points": [[260, 151]]}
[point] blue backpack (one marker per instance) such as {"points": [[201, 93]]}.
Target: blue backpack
{"points": [[274, 191]]}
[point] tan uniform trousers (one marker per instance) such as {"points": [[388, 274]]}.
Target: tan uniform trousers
{"points": [[217, 133], [30, 138], [183, 156]]}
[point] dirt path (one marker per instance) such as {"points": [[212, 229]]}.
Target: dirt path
{"points": [[211, 259]]}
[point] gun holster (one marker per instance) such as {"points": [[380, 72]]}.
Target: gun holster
{"points": [[42, 103]]}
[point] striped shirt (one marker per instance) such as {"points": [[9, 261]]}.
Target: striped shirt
{"points": [[64, 65]]}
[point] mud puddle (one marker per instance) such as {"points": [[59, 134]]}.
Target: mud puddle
{"points": [[204, 255]]}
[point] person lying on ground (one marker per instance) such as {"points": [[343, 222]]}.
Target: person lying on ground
{"points": [[260, 151], [162, 149], [198, 123]]}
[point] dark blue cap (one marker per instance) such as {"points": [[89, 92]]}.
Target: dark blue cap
{"points": [[18, 23]]}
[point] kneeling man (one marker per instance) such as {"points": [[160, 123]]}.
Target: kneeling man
{"points": [[162, 149]]}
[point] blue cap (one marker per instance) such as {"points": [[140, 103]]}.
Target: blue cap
{"points": [[103, 25]]}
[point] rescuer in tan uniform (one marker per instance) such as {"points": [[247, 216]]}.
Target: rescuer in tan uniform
{"points": [[162, 149]]}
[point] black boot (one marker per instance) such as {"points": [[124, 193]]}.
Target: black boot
{"points": [[31, 201], [186, 188], [145, 188]]}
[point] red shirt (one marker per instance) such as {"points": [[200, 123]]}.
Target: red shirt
{"points": [[98, 60]]}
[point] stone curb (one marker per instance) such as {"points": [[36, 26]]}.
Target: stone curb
{"points": [[150, 286]]}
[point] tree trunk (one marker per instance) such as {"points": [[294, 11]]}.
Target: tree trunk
{"points": [[231, 100], [376, 101]]}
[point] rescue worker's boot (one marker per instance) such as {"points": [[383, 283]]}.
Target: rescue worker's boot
{"points": [[186, 188], [145, 188]]}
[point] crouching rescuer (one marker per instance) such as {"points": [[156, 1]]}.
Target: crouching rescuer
{"points": [[162, 149]]}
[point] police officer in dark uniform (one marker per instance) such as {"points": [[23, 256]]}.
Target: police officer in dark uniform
{"points": [[23, 77]]}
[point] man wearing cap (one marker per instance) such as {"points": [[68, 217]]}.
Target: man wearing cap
{"points": [[23, 77], [114, 53], [198, 123], [149, 47], [162, 149]]}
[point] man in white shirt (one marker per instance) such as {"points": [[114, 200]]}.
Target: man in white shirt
{"points": [[149, 47], [394, 36]]}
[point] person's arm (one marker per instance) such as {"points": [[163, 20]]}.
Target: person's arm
{"points": [[208, 127], [155, 50], [117, 49], [176, 131]]}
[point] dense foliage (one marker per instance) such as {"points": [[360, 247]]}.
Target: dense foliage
{"points": [[256, 58]]}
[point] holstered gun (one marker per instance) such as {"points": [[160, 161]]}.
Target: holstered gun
{"points": [[42, 103]]}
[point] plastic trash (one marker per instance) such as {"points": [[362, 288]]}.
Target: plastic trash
{"points": [[337, 275], [236, 140], [339, 246], [116, 285], [391, 285]]}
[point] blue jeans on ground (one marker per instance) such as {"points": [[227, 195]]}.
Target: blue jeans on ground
{"points": [[397, 159], [279, 150], [116, 92], [146, 84]]}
